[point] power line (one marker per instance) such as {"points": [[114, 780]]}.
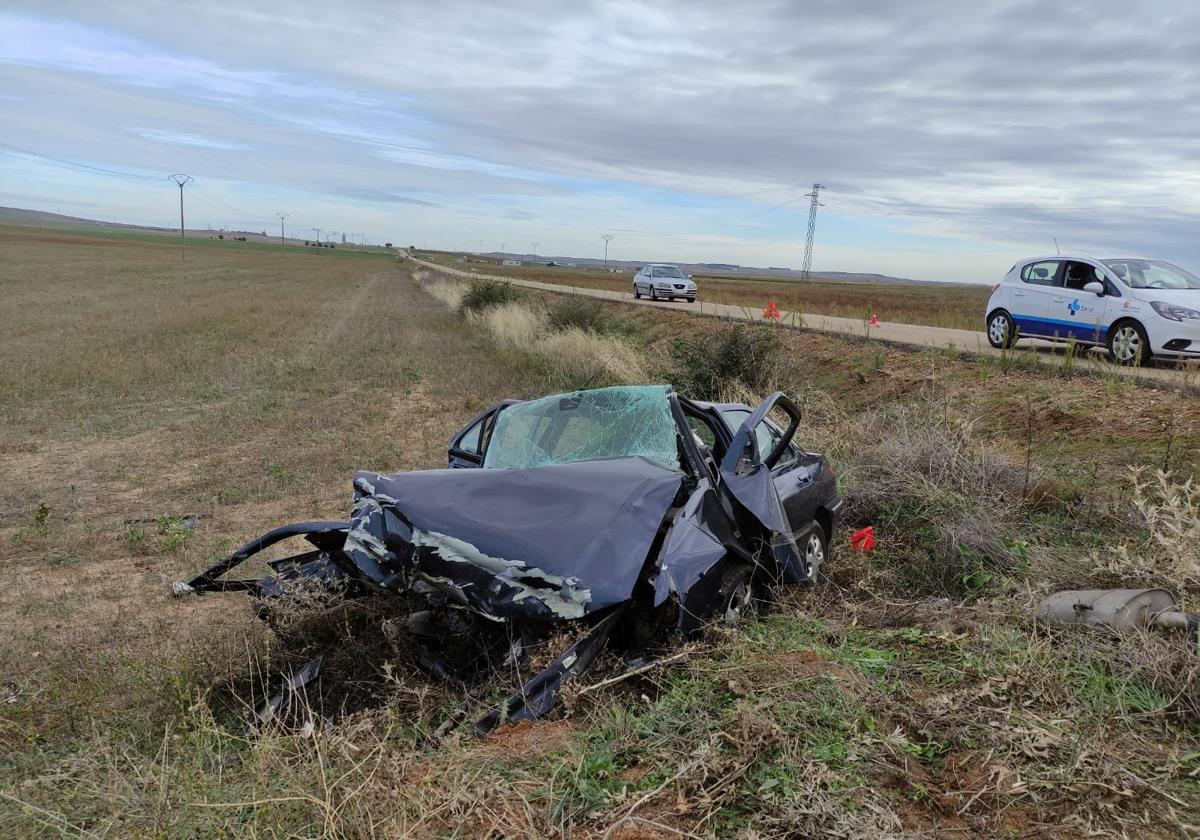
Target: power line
{"points": [[281, 216], [205, 195], [812, 230], [607, 237], [76, 165]]}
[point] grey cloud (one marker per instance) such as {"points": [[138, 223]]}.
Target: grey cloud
{"points": [[1002, 122], [382, 196]]}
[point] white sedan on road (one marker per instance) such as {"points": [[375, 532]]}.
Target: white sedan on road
{"points": [[1136, 308], [659, 281]]}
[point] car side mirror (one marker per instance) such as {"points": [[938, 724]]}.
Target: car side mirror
{"points": [[1095, 288]]}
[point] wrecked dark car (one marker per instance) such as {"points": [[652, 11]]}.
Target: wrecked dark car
{"points": [[630, 510]]}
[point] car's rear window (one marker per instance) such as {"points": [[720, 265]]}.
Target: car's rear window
{"points": [[1040, 273]]}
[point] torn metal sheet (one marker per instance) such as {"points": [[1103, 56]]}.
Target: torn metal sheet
{"points": [[291, 688], [540, 694]]}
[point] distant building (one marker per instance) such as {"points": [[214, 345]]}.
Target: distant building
{"points": [[511, 262]]}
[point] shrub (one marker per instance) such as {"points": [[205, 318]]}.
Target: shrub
{"points": [[580, 313], [950, 510], [705, 365], [485, 294]]}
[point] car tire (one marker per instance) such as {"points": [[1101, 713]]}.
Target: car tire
{"points": [[653, 294], [736, 600], [816, 548], [637, 293], [1128, 344], [1001, 331]]}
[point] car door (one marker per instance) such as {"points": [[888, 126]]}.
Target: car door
{"points": [[1078, 313], [469, 444], [1031, 298], [769, 485], [794, 475]]}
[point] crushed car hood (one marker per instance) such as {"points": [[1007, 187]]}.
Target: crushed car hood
{"points": [[552, 542]]}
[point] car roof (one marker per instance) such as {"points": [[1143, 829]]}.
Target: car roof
{"points": [[1091, 257]]}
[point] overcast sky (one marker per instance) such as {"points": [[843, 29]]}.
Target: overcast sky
{"points": [[953, 137]]}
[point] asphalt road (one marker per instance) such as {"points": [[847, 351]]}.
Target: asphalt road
{"points": [[913, 335]]}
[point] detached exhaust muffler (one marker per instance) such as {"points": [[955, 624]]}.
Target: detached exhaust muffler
{"points": [[1117, 610]]}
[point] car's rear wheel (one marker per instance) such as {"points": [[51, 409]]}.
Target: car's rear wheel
{"points": [[637, 292], [816, 549], [1001, 331], [736, 599], [1128, 344]]}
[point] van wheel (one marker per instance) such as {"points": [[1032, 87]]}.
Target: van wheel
{"points": [[736, 599], [1128, 344], [1001, 331]]}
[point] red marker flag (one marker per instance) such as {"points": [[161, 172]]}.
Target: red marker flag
{"points": [[864, 539]]}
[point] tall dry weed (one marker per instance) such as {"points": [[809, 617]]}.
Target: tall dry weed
{"points": [[449, 292], [584, 357], [511, 324], [1169, 513]]}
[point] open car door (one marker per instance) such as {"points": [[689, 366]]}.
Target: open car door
{"points": [[746, 477], [469, 443]]}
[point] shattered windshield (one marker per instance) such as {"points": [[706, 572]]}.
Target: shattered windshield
{"points": [[621, 422]]}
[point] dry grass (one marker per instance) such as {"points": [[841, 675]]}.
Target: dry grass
{"points": [[576, 357], [244, 386], [584, 356], [449, 292], [1168, 512], [511, 324]]}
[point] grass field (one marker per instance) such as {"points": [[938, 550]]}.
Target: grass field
{"points": [[908, 694], [939, 305]]}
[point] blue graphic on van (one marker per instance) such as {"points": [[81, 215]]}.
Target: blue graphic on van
{"points": [[1074, 306]]}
